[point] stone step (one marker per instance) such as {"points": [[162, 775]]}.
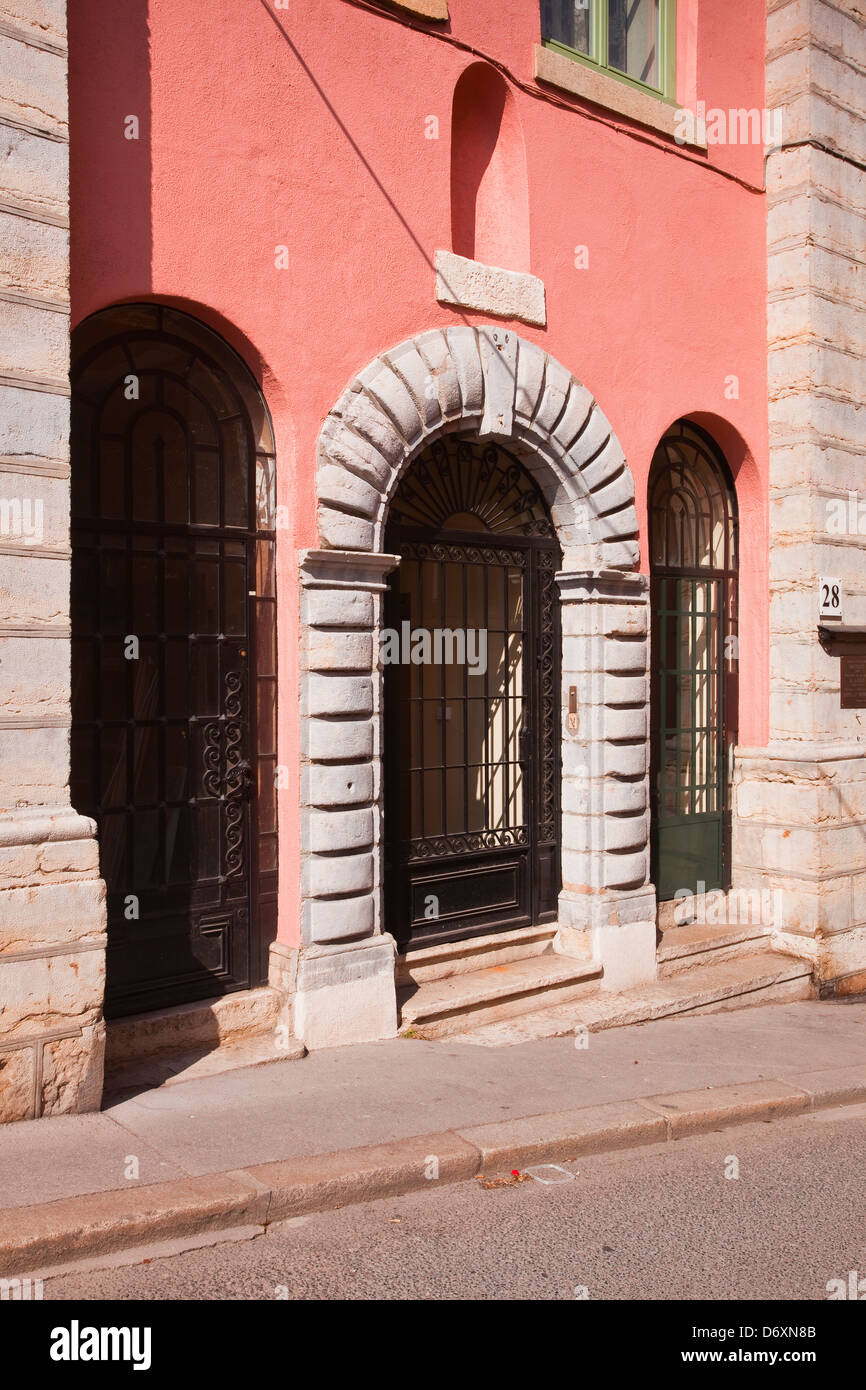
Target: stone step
{"points": [[762, 978], [184, 1028], [683, 948], [154, 1073], [444, 1006], [460, 957]]}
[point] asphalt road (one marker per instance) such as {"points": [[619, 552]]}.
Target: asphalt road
{"points": [[656, 1223]]}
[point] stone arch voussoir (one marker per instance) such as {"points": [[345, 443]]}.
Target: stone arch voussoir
{"points": [[490, 380]]}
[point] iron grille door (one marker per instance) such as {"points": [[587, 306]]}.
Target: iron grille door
{"points": [[472, 756], [694, 662], [174, 683]]}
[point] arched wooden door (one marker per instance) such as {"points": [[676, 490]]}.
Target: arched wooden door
{"points": [[174, 653], [693, 549], [472, 754]]}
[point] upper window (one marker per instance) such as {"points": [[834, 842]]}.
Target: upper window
{"points": [[633, 40]]}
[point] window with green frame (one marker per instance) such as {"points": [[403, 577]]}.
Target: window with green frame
{"points": [[632, 40]]}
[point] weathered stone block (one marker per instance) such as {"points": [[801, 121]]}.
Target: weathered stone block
{"points": [[55, 990], [72, 1072], [338, 919], [339, 740], [414, 372], [388, 390], [626, 870], [34, 765], [338, 875], [338, 531], [34, 86], [338, 608], [326, 785], [443, 374], [54, 912], [329, 650], [17, 1083], [463, 344], [338, 695], [338, 830], [625, 759], [497, 349]]}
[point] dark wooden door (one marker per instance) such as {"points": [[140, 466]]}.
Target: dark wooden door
{"points": [[472, 735], [174, 679]]}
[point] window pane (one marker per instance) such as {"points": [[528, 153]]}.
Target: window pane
{"points": [[633, 39], [567, 21]]}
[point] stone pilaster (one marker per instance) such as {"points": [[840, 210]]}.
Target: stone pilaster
{"points": [[606, 891], [345, 986], [800, 805], [52, 913]]}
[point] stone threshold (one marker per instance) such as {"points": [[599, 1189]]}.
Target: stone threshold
{"points": [[761, 978], [204, 1038]]}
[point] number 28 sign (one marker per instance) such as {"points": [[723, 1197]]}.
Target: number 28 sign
{"points": [[829, 597]]}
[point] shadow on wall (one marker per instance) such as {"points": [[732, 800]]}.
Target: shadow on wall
{"points": [[110, 150], [489, 196]]}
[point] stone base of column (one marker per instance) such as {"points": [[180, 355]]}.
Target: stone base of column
{"points": [[617, 930], [52, 964], [798, 837], [346, 993]]}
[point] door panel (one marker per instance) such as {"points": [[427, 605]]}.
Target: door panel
{"points": [[173, 669], [473, 743], [694, 662]]}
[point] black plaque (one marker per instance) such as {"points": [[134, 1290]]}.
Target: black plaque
{"points": [[853, 678]]}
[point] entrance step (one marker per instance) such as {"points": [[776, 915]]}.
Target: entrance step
{"points": [[683, 948], [443, 1006], [461, 957], [200, 1039], [763, 978], [170, 1068]]}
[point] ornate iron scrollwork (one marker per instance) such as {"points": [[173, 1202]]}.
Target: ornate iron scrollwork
{"points": [[227, 774]]}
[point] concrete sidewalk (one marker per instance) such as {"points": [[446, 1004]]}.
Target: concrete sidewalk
{"points": [[274, 1117]]}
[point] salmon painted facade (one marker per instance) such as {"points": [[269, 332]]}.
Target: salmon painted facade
{"points": [[438, 608]]}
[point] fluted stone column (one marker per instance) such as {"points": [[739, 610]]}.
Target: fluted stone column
{"points": [[52, 909], [606, 895], [345, 987]]}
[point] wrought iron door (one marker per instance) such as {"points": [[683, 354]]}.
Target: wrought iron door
{"points": [[174, 679], [693, 542], [472, 755]]}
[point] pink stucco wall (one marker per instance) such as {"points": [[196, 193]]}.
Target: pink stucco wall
{"points": [[307, 127]]}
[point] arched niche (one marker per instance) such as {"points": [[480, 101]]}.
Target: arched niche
{"points": [[489, 196]]}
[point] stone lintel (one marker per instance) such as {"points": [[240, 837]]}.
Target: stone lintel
{"points": [[490, 289]]}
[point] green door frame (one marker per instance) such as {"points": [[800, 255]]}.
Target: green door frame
{"points": [[693, 546]]}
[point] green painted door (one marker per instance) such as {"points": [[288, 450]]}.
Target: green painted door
{"points": [[694, 662]]}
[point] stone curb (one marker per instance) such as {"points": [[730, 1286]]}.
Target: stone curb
{"points": [[101, 1224]]}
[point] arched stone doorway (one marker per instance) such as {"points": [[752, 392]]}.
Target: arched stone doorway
{"points": [[492, 385], [471, 655], [174, 653]]}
